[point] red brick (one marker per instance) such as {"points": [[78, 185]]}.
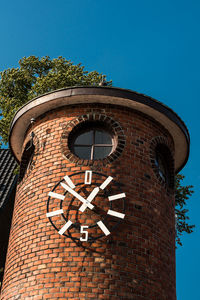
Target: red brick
{"points": [[138, 262]]}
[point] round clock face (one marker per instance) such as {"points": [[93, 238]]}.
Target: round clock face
{"points": [[86, 206]]}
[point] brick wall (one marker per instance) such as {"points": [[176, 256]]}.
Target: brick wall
{"points": [[137, 261]]}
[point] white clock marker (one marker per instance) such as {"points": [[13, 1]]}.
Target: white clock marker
{"points": [[118, 196], [54, 213], [57, 196], [69, 182], [88, 177], [115, 214], [65, 227], [106, 182], [103, 228]]}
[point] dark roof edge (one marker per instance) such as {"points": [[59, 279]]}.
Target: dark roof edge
{"points": [[115, 92], [121, 93], [12, 188]]}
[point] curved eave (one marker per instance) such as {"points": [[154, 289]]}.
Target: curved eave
{"points": [[107, 95]]}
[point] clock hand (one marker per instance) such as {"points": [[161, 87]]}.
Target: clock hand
{"points": [[91, 196], [75, 194], [95, 192]]}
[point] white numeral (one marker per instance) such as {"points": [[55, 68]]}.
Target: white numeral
{"points": [[88, 177], [84, 239]]}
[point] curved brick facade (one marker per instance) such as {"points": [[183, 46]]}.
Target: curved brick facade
{"points": [[136, 262]]}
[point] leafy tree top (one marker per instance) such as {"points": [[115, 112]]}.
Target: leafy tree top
{"points": [[35, 77], [182, 194]]}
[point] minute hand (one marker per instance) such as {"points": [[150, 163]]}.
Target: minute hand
{"points": [[89, 199], [75, 194]]}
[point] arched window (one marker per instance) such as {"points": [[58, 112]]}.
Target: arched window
{"points": [[26, 159], [164, 164], [162, 160], [161, 164]]}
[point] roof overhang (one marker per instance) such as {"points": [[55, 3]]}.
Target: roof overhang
{"points": [[107, 95]]}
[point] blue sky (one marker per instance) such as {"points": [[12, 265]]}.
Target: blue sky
{"points": [[152, 47]]}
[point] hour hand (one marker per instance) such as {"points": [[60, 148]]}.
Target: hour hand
{"points": [[75, 194], [89, 199]]}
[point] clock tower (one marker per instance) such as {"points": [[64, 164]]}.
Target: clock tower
{"points": [[94, 209]]}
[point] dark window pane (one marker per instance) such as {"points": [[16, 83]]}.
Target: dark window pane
{"points": [[83, 152], [101, 152], [102, 137], [160, 163], [85, 138]]}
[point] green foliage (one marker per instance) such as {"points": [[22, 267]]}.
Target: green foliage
{"points": [[35, 77], [181, 196]]}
